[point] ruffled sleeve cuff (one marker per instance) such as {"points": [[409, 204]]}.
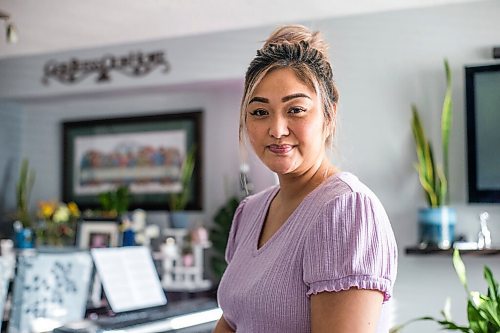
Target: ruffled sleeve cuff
{"points": [[360, 282]]}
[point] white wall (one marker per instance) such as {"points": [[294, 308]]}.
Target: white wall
{"points": [[382, 62]]}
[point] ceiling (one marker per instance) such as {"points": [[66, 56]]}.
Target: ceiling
{"points": [[47, 26]]}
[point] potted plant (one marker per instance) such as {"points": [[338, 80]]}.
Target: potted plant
{"points": [[437, 222], [178, 201], [483, 310], [116, 202], [24, 222], [219, 235]]}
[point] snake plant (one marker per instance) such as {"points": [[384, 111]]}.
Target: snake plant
{"points": [[433, 178], [23, 192], [179, 201]]}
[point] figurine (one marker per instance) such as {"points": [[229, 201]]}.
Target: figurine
{"points": [[484, 236]]}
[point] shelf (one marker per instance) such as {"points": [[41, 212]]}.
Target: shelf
{"points": [[415, 250]]}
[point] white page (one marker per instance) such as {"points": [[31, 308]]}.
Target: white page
{"points": [[129, 277]]}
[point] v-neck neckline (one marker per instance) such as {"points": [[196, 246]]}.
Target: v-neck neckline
{"points": [[263, 215]]}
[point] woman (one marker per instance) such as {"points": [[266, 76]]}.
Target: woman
{"points": [[317, 252]]}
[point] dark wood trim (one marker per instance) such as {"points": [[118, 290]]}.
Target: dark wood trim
{"points": [[415, 250]]}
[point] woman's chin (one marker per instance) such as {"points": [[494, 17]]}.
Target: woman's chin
{"points": [[280, 169]]}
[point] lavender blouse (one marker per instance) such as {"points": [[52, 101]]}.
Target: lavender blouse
{"points": [[338, 237]]}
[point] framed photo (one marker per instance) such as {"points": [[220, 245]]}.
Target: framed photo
{"points": [[143, 153], [97, 234]]}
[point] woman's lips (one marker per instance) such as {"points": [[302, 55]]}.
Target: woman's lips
{"points": [[280, 149]]}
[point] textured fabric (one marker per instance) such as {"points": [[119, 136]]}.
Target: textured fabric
{"points": [[339, 237]]}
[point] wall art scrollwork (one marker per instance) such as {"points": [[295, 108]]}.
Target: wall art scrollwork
{"points": [[135, 64]]}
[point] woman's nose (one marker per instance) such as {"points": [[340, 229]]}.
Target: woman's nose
{"points": [[278, 127]]}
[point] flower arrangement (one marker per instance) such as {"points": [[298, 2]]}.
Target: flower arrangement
{"points": [[57, 223]]}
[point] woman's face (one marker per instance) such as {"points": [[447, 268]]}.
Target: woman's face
{"points": [[285, 123]]}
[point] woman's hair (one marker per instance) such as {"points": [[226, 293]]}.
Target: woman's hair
{"points": [[305, 52]]}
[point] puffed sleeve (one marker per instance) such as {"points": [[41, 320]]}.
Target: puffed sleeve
{"points": [[351, 245], [232, 241]]}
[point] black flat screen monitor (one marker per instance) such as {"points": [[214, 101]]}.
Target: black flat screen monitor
{"points": [[482, 88]]}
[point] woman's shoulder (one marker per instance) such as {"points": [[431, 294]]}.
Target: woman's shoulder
{"points": [[345, 183], [345, 189]]}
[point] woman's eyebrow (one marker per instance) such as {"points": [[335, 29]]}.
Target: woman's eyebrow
{"points": [[292, 96], [284, 99], [259, 100]]}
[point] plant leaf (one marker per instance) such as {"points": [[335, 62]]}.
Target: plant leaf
{"points": [[429, 190], [178, 201], [429, 182], [432, 178], [460, 269], [492, 285], [424, 155], [442, 188], [488, 310], [446, 118], [477, 322], [451, 326], [448, 325], [446, 312]]}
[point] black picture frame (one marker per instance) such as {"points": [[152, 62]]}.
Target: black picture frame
{"points": [[482, 133], [143, 152]]}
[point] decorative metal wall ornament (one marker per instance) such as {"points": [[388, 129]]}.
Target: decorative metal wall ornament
{"points": [[135, 64], [10, 29]]}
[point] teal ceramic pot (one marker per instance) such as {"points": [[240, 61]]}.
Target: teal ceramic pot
{"points": [[437, 226], [179, 219]]}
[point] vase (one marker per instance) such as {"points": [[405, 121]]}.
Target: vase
{"points": [[437, 226], [24, 238], [179, 219], [52, 234]]}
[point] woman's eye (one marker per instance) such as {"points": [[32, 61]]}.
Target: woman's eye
{"points": [[296, 110], [258, 112]]}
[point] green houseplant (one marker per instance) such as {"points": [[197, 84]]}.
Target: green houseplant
{"points": [[178, 201], [436, 223], [116, 202], [24, 235], [24, 187], [219, 235], [483, 310]]}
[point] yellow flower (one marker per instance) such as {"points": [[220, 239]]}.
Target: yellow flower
{"points": [[73, 209], [46, 209]]}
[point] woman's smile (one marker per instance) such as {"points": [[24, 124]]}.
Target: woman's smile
{"points": [[280, 149]]}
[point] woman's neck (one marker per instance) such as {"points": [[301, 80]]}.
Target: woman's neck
{"points": [[296, 187]]}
